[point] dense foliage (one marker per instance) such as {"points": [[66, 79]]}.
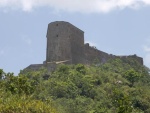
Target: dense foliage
{"points": [[118, 86]]}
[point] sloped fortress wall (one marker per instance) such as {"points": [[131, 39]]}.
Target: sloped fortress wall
{"points": [[91, 54]]}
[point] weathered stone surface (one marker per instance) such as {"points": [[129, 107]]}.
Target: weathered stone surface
{"points": [[65, 44]]}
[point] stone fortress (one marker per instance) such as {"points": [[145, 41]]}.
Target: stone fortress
{"points": [[65, 44]]}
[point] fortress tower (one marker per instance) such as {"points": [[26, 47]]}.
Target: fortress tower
{"points": [[64, 42]]}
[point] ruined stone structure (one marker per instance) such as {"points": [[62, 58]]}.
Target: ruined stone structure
{"points": [[65, 44]]}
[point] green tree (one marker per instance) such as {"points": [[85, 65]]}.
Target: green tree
{"points": [[1, 74], [122, 102], [18, 84], [132, 76]]}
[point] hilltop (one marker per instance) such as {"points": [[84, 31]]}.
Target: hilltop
{"points": [[118, 86]]}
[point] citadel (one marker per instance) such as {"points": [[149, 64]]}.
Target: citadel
{"points": [[65, 44]]}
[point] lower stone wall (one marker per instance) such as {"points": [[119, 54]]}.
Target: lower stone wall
{"points": [[137, 58], [88, 57], [35, 66], [49, 66], [91, 54]]}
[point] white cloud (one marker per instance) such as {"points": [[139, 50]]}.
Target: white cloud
{"points": [[83, 6], [27, 5]]}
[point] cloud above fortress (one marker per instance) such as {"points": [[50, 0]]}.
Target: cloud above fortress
{"points": [[82, 6]]}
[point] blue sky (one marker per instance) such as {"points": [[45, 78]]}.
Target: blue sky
{"points": [[120, 27]]}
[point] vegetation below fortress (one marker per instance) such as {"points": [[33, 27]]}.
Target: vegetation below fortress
{"points": [[118, 86]]}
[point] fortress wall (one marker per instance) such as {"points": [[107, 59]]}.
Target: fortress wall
{"points": [[77, 44], [137, 58], [58, 42], [66, 42], [92, 54], [35, 66]]}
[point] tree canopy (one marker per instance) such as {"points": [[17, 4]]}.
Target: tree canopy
{"points": [[118, 86]]}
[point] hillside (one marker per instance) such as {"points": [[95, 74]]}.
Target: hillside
{"points": [[118, 86]]}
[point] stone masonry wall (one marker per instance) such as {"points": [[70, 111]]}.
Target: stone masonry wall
{"points": [[77, 44], [91, 54], [58, 42], [65, 42]]}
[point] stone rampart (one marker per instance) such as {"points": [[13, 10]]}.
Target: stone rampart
{"points": [[65, 44]]}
